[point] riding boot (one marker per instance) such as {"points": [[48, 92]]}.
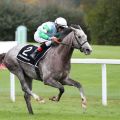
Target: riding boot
{"points": [[43, 46], [34, 54], [38, 50]]}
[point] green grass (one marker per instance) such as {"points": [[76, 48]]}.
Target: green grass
{"points": [[101, 52], [69, 108]]}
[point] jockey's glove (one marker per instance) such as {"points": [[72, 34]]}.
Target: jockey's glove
{"points": [[55, 41]]}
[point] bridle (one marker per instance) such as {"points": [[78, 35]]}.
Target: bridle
{"points": [[80, 48], [80, 43]]}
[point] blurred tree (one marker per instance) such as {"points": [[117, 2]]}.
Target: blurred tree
{"points": [[104, 21], [88, 4], [33, 13], [13, 14]]}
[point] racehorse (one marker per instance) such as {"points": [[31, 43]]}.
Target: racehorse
{"points": [[54, 69]]}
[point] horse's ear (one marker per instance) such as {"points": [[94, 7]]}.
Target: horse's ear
{"points": [[79, 27], [72, 28], [75, 26]]}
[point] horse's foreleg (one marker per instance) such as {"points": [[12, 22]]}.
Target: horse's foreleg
{"points": [[56, 84], [27, 99], [74, 83], [27, 96]]}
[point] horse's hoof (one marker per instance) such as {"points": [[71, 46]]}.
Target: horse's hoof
{"points": [[40, 100], [54, 98], [84, 103], [84, 106]]}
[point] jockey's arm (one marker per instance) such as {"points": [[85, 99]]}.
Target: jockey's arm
{"points": [[43, 30], [46, 37], [43, 35]]}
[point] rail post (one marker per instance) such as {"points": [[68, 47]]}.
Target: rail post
{"points": [[21, 38], [104, 85], [12, 87]]}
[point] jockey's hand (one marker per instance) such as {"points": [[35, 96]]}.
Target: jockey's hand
{"points": [[55, 40]]}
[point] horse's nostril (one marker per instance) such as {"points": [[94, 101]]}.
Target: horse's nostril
{"points": [[87, 50]]}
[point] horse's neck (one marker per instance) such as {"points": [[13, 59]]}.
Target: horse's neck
{"points": [[65, 52]]}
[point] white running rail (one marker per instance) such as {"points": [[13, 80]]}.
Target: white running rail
{"points": [[103, 62]]}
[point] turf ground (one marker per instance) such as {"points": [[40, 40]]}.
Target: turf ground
{"points": [[69, 108]]}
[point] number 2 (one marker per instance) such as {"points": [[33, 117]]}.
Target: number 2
{"points": [[27, 50]]}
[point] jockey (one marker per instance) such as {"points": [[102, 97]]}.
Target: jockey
{"points": [[48, 32]]}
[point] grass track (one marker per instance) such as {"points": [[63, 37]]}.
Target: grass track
{"points": [[69, 107]]}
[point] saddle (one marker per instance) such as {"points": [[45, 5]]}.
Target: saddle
{"points": [[26, 51]]}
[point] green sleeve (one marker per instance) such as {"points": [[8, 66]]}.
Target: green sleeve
{"points": [[43, 35], [58, 35]]}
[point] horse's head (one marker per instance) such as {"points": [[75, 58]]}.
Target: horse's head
{"points": [[80, 41]]}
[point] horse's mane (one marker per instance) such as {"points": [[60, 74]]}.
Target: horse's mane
{"points": [[76, 26], [64, 33], [68, 30]]}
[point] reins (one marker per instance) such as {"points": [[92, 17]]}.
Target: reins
{"points": [[66, 44], [72, 45]]}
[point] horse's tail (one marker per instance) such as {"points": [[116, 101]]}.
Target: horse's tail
{"points": [[2, 57]]}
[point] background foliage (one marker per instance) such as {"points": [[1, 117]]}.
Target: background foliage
{"points": [[32, 14], [104, 21], [99, 19]]}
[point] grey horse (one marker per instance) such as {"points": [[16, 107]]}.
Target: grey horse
{"points": [[54, 69]]}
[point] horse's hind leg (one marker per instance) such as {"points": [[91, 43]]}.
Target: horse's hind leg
{"points": [[74, 83], [27, 96], [56, 84], [25, 87]]}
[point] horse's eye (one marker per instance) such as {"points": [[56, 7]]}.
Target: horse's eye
{"points": [[79, 36]]}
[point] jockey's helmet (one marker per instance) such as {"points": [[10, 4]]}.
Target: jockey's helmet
{"points": [[60, 21]]}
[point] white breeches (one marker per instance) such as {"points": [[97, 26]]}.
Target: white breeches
{"points": [[41, 40]]}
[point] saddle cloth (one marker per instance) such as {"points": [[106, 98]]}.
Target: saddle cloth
{"points": [[26, 51]]}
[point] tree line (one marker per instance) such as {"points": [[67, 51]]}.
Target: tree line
{"points": [[104, 22], [98, 18], [15, 13]]}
